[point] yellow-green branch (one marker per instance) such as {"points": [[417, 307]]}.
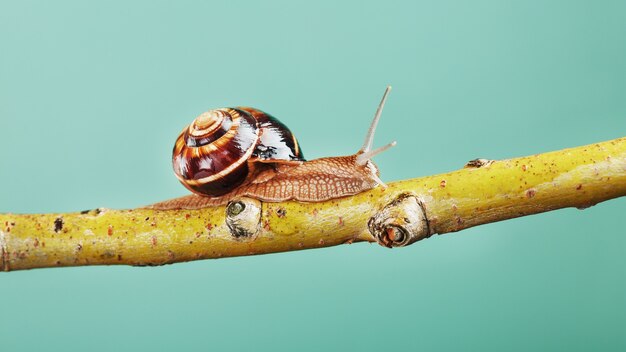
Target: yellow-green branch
{"points": [[482, 192]]}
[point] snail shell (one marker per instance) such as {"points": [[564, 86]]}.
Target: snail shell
{"points": [[212, 156], [236, 152]]}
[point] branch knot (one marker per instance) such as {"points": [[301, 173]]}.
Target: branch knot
{"points": [[243, 218], [400, 223]]}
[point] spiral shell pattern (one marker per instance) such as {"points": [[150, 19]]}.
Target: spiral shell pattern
{"points": [[211, 156]]}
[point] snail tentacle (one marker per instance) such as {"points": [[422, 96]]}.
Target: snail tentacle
{"points": [[369, 138], [365, 154], [362, 158]]}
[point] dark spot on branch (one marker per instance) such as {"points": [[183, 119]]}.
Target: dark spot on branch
{"points": [[85, 212], [58, 224], [108, 254]]}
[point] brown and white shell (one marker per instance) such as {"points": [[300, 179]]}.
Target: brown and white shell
{"points": [[213, 155]]}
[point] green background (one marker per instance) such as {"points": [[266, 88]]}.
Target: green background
{"points": [[92, 96]]}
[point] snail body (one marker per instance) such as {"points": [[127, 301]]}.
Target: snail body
{"points": [[236, 152]]}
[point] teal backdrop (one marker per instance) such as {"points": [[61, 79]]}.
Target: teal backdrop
{"points": [[93, 95]]}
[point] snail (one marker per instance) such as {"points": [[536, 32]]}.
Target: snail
{"points": [[235, 152]]}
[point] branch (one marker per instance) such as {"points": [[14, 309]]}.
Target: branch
{"points": [[484, 191]]}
